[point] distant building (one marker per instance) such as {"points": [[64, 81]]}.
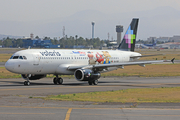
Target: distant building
{"points": [[151, 39], [163, 39], [38, 43], [175, 38]]}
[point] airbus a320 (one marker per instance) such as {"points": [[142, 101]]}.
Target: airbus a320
{"points": [[85, 65]]}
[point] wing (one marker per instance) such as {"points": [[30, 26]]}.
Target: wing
{"points": [[146, 56], [120, 65]]}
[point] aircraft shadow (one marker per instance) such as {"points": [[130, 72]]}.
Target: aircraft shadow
{"points": [[16, 83]]}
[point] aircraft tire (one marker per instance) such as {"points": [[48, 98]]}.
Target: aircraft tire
{"points": [[27, 83], [95, 82], [60, 81], [55, 81]]}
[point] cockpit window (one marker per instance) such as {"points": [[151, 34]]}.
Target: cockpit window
{"points": [[11, 57], [20, 57], [15, 57], [24, 57]]}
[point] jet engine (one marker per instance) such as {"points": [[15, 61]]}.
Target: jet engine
{"points": [[32, 77], [86, 75]]}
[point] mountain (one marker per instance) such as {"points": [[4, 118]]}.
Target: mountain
{"points": [[10, 36], [162, 21]]}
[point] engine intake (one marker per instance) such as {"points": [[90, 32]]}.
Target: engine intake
{"points": [[32, 77], [86, 75]]}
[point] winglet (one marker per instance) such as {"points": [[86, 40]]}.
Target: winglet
{"points": [[173, 60]]}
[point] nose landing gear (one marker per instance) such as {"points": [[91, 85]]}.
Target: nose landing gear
{"points": [[27, 83]]}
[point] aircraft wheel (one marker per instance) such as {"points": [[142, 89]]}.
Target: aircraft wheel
{"points": [[60, 81], [27, 83], [55, 81], [90, 83], [95, 82]]}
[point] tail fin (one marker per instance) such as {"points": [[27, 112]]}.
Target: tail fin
{"points": [[154, 42], [129, 40]]}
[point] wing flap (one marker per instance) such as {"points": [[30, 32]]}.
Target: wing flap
{"points": [[146, 55], [127, 63], [141, 63]]}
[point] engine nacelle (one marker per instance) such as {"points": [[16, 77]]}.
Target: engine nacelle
{"points": [[86, 75], [32, 77]]}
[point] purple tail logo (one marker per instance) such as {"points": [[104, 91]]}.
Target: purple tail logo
{"points": [[129, 37]]}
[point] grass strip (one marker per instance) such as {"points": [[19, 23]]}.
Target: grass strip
{"points": [[151, 70], [145, 95]]}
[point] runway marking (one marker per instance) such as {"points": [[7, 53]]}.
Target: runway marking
{"points": [[51, 88], [34, 107], [88, 86], [25, 113], [68, 114], [91, 108], [130, 115]]}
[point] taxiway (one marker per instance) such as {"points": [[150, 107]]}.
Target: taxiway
{"points": [[16, 100]]}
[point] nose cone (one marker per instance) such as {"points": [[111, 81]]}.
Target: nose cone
{"points": [[9, 66]]}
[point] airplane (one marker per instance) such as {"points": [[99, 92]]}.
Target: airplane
{"points": [[147, 46], [151, 45], [85, 65]]}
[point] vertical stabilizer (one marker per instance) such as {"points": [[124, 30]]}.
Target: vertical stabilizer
{"points": [[129, 39]]}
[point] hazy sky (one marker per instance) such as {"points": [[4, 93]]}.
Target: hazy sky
{"points": [[29, 10], [21, 17]]}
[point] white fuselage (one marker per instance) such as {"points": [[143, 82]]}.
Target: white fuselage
{"points": [[54, 61]]}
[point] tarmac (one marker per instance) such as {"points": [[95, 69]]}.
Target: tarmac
{"points": [[16, 100]]}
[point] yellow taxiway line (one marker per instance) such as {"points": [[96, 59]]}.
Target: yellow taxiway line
{"points": [[68, 114]]}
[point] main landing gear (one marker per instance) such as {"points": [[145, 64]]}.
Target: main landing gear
{"points": [[95, 82], [57, 80]]}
